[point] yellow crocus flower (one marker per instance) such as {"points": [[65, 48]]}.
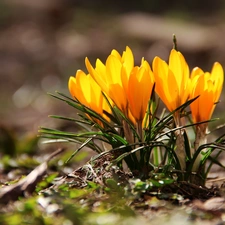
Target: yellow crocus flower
{"points": [[113, 76], [208, 87], [172, 81], [140, 86], [83, 88], [173, 87]]}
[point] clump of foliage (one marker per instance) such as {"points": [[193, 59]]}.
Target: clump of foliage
{"points": [[119, 113]]}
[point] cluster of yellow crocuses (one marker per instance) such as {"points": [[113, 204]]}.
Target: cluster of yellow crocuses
{"points": [[129, 87]]}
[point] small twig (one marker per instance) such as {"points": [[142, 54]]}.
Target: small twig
{"points": [[55, 153], [216, 179]]}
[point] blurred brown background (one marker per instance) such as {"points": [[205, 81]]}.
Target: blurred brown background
{"points": [[43, 42]]}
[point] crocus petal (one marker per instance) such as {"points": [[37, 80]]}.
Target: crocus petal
{"points": [[75, 89], [128, 60], [97, 75]]}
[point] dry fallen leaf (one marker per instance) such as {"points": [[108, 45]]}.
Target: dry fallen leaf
{"points": [[216, 204], [26, 185]]}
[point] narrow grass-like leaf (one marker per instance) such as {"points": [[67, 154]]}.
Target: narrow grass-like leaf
{"points": [[79, 122], [215, 161], [211, 162], [82, 146], [79, 106], [187, 145]]}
